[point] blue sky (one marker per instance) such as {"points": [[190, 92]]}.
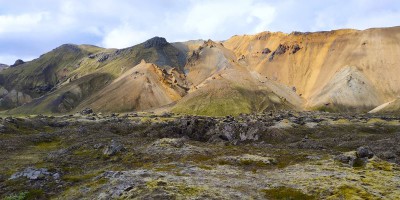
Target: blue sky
{"points": [[29, 28]]}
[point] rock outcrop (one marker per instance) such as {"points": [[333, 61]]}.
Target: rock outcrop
{"points": [[156, 42], [17, 62]]}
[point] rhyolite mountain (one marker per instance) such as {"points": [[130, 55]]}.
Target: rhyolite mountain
{"points": [[338, 71]]}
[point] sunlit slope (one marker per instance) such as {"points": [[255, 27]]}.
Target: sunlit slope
{"points": [[308, 61], [21, 83], [143, 87], [220, 86]]}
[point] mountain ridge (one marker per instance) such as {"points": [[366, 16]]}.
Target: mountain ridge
{"points": [[245, 73]]}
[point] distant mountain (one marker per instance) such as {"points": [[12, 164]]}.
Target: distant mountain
{"points": [[76, 72], [3, 66], [338, 71]]}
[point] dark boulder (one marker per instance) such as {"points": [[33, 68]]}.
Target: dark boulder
{"points": [[86, 111], [295, 48], [344, 158], [266, 51], [364, 152], [279, 51]]}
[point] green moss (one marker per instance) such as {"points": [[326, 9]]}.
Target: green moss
{"points": [[286, 193], [351, 192], [155, 183], [285, 160], [244, 162], [229, 100], [79, 178], [165, 168], [214, 107], [206, 167], [27, 195], [19, 196], [382, 165], [188, 191], [181, 189], [46, 146]]}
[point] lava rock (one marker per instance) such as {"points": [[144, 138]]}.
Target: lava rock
{"points": [[103, 58], [34, 174], [114, 148], [279, 51], [43, 88], [86, 111], [295, 48], [266, 51], [2, 128], [344, 158], [364, 152], [156, 42]]}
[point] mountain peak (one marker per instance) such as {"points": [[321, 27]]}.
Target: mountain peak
{"points": [[155, 42], [17, 62], [69, 47]]}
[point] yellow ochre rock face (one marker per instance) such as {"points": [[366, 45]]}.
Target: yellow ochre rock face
{"points": [[310, 62]]}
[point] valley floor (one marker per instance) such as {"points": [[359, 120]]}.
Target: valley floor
{"points": [[277, 155]]}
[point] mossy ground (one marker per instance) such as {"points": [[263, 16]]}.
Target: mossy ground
{"points": [[284, 193], [76, 153]]}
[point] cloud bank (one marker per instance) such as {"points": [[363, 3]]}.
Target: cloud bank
{"points": [[29, 28]]}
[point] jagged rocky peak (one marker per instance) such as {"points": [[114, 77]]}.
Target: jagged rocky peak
{"points": [[17, 62], [209, 43], [155, 42]]}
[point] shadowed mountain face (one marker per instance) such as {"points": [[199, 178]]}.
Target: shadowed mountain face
{"points": [[340, 71]]}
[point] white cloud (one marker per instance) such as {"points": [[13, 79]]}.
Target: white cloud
{"points": [[210, 18], [383, 19], [123, 36], [42, 25], [21, 23]]}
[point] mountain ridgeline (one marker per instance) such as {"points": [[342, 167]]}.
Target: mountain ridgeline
{"points": [[337, 71]]}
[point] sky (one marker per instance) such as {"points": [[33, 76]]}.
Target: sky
{"points": [[29, 28]]}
